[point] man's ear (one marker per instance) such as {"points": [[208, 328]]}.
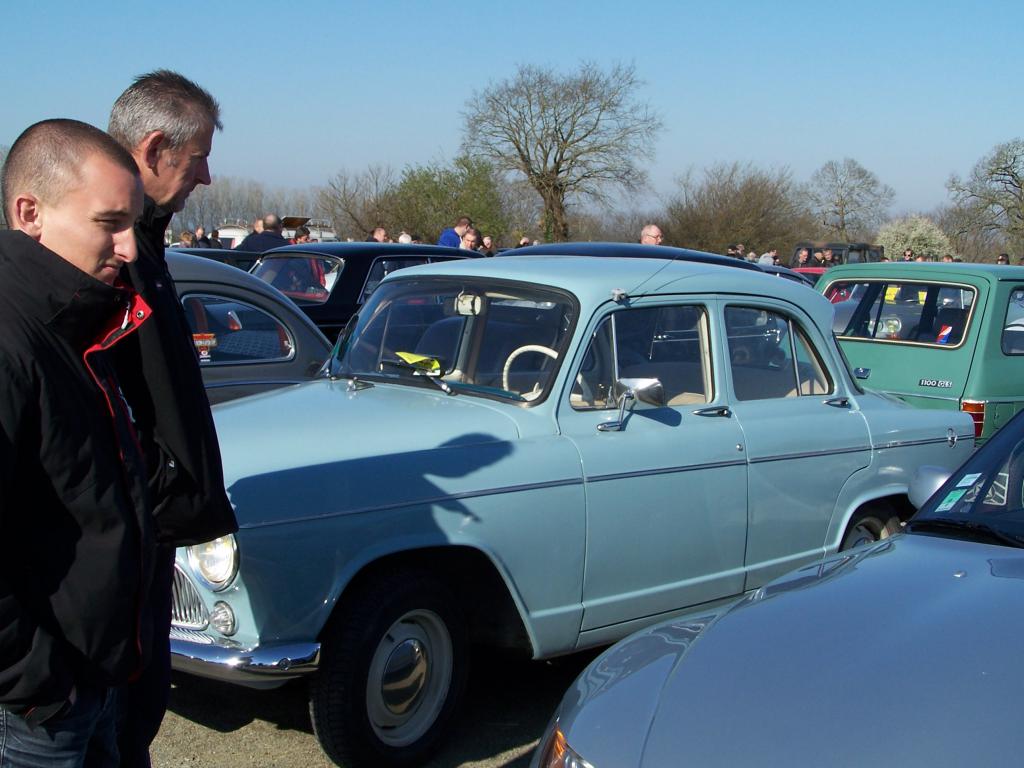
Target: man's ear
{"points": [[147, 152], [28, 216]]}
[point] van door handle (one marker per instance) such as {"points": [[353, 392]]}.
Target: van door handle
{"points": [[715, 410], [838, 402]]}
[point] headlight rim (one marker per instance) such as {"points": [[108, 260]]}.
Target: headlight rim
{"points": [[197, 571]]}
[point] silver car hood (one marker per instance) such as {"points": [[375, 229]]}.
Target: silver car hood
{"points": [[904, 653]]}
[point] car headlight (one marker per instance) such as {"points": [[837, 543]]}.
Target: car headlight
{"points": [[215, 562], [555, 752]]}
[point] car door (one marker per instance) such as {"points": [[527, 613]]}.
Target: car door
{"points": [[246, 343], [666, 487], [801, 431]]}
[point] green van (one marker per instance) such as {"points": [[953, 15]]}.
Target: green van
{"points": [[937, 335]]}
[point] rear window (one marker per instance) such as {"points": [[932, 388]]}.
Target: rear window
{"points": [[906, 312], [1013, 327], [305, 278]]}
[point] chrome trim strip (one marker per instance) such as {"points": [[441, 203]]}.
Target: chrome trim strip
{"points": [[665, 470], [929, 441], [433, 500], [262, 665], [812, 454]]}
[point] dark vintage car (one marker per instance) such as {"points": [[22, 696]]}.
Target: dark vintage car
{"points": [[244, 260], [330, 281], [249, 337]]}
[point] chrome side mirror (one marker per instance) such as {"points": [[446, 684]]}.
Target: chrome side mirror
{"points": [[634, 392], [926, 481]]}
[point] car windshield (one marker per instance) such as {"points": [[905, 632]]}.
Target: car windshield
{"points": [[986, 492], [304, 277], [487, 338]]}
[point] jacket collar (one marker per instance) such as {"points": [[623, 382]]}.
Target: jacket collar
{"points": [[152, 224], [60, 295]]}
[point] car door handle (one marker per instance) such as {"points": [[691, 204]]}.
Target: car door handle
{"points": [[838, 402], [715, 410]]}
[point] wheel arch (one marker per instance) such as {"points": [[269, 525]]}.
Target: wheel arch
{"points": [[885, 502], [493, 610]]}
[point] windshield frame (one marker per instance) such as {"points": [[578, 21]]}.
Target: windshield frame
{"points": [[1004, 449], [335, 365]]}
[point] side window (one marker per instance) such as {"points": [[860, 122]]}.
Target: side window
{"points": [[1013, 327], [381, 268], [771, 357], [228, 331], [666, 343]]}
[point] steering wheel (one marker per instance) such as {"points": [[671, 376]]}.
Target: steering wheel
{"points": [[517, 352]]}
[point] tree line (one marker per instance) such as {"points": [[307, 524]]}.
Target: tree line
{"points": [[552, 156]]}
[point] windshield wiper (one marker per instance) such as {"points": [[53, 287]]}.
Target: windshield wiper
{"points": [[419, 371], [972, 527]]}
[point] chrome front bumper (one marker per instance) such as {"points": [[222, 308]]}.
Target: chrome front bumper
{"points": [[265, 666]]}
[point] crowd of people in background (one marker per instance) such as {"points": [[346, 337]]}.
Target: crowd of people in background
{"points": [[268, 233]]}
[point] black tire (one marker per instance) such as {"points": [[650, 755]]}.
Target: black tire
{"points": [[393, 669], [868, 527]]}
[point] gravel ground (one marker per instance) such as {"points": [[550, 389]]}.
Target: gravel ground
{"points": [[509, 701]]}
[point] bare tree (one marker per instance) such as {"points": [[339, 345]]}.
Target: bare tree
{"points": [[359, 202], [572, 136], [848, 198], [735, 203], [967, 239], [992, 197]]}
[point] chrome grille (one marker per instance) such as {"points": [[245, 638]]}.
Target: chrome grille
{"points": [[187, 609]]}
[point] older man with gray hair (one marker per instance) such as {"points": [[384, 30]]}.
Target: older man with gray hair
{"points": [[166, 122], [651, 235]]}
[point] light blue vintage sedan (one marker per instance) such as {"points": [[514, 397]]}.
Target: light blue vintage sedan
{"points": [[542, 453]]}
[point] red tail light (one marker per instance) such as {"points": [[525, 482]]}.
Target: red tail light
{"points": [[977, 411]]}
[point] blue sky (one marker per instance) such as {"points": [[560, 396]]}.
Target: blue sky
{"points": [[912, 90]]}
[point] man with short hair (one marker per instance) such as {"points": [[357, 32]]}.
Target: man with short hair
{"points": [[802, 258], [1003, 258], [379, 235], [269, 237], [301, 235], [651, 235], [77, 531], [215, 239], [470, 239], [452, 236], [166, 122], [202, 241]]}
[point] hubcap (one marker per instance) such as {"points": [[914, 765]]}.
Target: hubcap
{"points": [[405, 674], [409, 677]]}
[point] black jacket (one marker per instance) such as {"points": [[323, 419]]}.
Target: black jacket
{"points": [[171, 404], [76, 526], [258, 242]]}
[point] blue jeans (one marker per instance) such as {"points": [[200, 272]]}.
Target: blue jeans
{"points": [[84, 736]]}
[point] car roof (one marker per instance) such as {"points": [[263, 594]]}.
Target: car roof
{"points": [[594, 280], [370, 249], [631, 250], [186, 267], [926, 269]]}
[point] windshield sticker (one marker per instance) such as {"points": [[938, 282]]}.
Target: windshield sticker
{"points": [[950, 501], [968, 480]]}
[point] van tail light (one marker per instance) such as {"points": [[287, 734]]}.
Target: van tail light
{"points": [[977, 410]]}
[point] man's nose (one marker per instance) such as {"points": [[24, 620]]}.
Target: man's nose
{"points": [[124, 245], [203, 173]]}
